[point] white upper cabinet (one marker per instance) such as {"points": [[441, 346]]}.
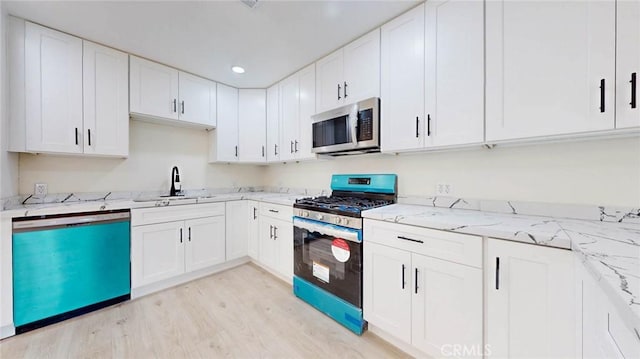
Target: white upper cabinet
{"points": [[550, 68], [297, 105], [454, 73], [273, 123], [530, 301], [627, 64], [106, 100], [402, 93], [197, 100], [164, 93], [252, 125], [350, 74], [154, 89], [223, 141], [53, 87]]}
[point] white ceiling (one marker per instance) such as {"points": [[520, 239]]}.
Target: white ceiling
{"points": [[207, 37]]}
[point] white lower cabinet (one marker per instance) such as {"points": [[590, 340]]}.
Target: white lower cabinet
{"points": [[253, 229], [237, 236], [530, 301], [276, 239], [431, 303], [160, 250]]}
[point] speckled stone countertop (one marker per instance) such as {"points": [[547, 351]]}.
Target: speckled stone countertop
{"points": [[609, 250]]}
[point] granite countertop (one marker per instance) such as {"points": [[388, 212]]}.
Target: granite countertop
{"points": [[609, 251]]}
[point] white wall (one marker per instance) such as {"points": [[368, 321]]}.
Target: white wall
{"points": [[8, 161], [605, 172], [153, 150]]}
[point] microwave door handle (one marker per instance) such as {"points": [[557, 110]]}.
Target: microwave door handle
{"points": [[353, 119]]}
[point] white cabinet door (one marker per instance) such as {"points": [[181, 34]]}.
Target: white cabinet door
{"points": [[627, 63], [268, 247], [153, 89], [546, 80], [224, 139], [387, 289], [197, 100], [237, 230], [330, 81], [402, 78], [53, 85], [252, 113], [106, 100], [254, 230], [205, 238], [273, 121], [289, 116], [283, 237], [307, 108], [446, 306], [157, 252], [362, 68], [454, 57], [530, 301]]}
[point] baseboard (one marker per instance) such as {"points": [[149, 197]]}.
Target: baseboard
{"points": [[187, 277], [405, 347], [7, 331]]}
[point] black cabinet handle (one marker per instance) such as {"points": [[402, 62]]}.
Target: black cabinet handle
{"points": [[417, 127], [416, 281], [291, 146], [236, 151], [174, 105], [602, 89], [182, 107], [339, 92], [403, 267], [89, 135], [428, 125], [295, 146], [275, 233], [497, 273], [345, 89], [189, 234], [633, 90], [271, 232], [76, 136], [180, 235], [254, 213], [275, 150], [262, 151], [410, 239], [274, 211]]}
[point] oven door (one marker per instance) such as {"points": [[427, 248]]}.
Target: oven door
{"points": [[329, 257]]}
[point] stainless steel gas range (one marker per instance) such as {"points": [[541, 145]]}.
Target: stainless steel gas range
{"points": [[328, 245]]}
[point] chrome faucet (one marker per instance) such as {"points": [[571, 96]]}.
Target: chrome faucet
{"points": [[175, 177]]}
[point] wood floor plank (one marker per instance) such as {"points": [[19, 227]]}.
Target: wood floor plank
{"points": [[243, 312]]}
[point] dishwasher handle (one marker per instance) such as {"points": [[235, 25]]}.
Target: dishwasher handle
{"points": [[46, 222]]}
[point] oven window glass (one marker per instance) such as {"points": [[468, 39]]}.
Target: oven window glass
{"points": [[331, 132], [331, 263]]}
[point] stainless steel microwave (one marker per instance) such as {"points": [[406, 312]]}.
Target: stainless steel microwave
{"points": [[347, 130]]}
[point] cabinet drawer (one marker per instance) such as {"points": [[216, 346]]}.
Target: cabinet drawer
{"points": [[175, 213], [454, 247], [277, 211]]}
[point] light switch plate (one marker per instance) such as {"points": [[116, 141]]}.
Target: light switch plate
{"points": [[40, 190]]}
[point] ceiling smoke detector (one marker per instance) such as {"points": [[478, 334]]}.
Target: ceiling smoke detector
{"points": [[250, 3]]}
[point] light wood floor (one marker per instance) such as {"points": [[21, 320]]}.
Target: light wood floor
{"points": [[243, 312]]}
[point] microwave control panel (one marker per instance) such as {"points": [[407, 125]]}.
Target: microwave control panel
{"points": [[365, 125]]}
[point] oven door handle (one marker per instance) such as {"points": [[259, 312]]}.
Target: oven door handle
{"points": [[349, 234], [353, 122]]}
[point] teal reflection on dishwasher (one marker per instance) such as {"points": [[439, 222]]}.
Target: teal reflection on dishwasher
{"points": [[62, 269]]}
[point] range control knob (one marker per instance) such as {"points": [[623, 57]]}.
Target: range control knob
{"points": [[338, 220], [305, 214], [319, 216]]}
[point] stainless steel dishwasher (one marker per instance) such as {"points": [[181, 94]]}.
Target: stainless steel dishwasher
{"points": [[67, 265]]}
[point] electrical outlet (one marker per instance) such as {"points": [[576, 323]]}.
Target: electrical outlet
{"points": [[40, 189], [444, 189]]}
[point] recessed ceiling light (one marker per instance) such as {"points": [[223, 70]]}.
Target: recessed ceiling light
{"points": [[237, 69]]}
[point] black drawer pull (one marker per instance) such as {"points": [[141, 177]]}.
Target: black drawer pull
{"points": [[274, 211], [633, 90], [403, 282], [497, 273], [417, 127], [410, 239], [602, 89], [416, 280]]}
